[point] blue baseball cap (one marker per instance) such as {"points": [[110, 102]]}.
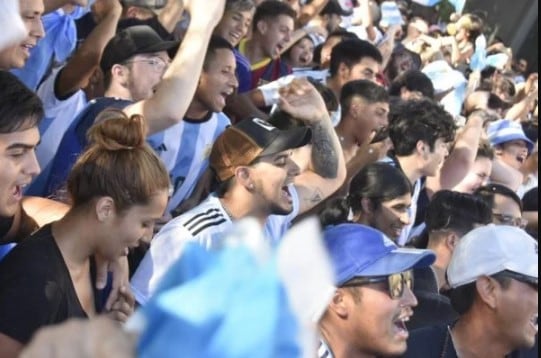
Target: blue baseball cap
{"points": [[361, 251], [506, 130]]}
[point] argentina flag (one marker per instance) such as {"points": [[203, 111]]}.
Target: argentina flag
{"points": [[244, 300]]}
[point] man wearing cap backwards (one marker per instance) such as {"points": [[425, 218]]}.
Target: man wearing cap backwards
{"points": [[257, 177], [493, 276], [509, 141], [140, 78], [373, 298]]}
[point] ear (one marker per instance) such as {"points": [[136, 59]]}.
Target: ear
{"points": [[498, 149], [105, 208], [119, 71], [488, 289], [367, 205], [338, 304], [132, 12], [451, 240], [343, 71], [262, 27], [242, 174], [422, 148]]}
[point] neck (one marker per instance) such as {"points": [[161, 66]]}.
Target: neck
{"points": [[118, 91], [410, 168], [338, 345], [71, 234], [254, 51], [334, 84], [197, 110], [241, 206], [475, 337], [347, 139]]}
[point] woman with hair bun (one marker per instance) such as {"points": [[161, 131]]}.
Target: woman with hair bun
{"points": [[118, 189], [379, 197]]}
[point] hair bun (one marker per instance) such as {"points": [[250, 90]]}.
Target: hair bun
{"points": [[114, 130]]}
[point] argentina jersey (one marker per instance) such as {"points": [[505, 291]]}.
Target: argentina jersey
{"points": [[184, 148], [59, 114]]}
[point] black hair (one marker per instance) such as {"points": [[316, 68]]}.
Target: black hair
{"points": [[20, 108], [351, 52], [378, 182], [216, 43], [271, 9], [419, 120], [368, 90], [457, 211], [392, 70], [413, 80], [488, 192]]}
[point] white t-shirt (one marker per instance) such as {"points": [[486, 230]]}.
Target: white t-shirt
{"points": [[59, 115], [205, 224]]}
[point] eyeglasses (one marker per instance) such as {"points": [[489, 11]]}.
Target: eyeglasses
{"points": [[531, 281], [396, 282], [510, 220], [158, 64]]}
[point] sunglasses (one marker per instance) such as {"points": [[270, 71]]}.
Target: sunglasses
{"points": [[531, 281], [396, 282]]}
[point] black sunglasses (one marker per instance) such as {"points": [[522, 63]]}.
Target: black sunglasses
{"points": [[395, 282], [531, 281]]}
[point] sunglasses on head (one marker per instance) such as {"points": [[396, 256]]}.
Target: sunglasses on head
{"points": [[531, 281], [396, 282]]}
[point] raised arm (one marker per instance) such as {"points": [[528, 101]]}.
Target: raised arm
{"points": [[174, 93], [170, 15], [461, 158], [327, 168], [77, 72]]}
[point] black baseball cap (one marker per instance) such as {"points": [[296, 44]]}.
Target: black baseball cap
{"points": [[133, 41], [250, 139], [333, 7]]}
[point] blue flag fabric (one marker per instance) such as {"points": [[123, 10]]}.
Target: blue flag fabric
{"points": [[242, 300]]}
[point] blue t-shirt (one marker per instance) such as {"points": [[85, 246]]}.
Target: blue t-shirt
{"points": [[75, 141]]}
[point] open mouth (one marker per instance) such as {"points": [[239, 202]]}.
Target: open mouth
{"points": [[400, 327], [285, 193], [18, 191]]}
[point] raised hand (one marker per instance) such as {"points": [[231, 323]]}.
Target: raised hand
{"points": [[302, 100]]}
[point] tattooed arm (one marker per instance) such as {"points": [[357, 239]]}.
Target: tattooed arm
{"points": [[327, 170]]}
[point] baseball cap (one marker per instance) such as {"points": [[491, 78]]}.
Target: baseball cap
{"points": [[249, 139], [333, 7], [133, 41], [490, 249], [506, 130], [360, 251]]}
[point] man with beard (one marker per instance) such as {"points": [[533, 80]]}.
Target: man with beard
{"points": [[140, 78], [256, 177]]}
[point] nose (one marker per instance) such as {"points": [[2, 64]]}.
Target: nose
{"points": [[405, 218], [37, 29], [233, 81], [31, 166], [293, 169], [408, 298]]}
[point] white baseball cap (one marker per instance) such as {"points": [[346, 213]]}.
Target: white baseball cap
{"points": [[491, 249]]}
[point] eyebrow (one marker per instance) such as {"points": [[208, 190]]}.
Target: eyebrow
{"points": [[21, 146]]}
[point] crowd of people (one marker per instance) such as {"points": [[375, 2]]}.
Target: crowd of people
{"points": [[131, 130]]}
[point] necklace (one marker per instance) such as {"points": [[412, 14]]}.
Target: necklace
{"points": [[227, 211]]}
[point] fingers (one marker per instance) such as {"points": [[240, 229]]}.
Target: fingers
{"points": [[102, 270]]}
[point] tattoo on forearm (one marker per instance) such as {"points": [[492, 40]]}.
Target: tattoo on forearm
{"points": [[324, 154], [316, 197]]}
